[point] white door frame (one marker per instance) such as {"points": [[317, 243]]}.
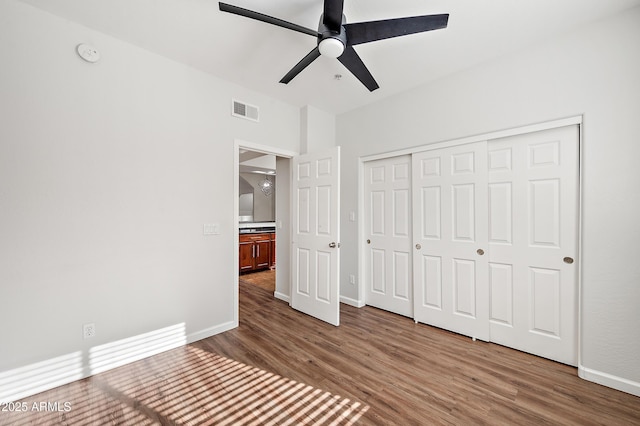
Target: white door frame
{"points": [[238, 145], [575, 120]]}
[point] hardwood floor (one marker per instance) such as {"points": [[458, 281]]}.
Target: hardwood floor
{"points": [[283, 367], [264, 279]]}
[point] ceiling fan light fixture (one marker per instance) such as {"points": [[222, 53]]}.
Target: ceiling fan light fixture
{"points": [[331, 47], [336, 37]]}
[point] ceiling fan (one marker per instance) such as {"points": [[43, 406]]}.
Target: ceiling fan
{"points": [[336, 37]]}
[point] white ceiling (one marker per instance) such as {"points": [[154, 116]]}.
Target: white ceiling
{"points": [[257, 55], [257, 162]]}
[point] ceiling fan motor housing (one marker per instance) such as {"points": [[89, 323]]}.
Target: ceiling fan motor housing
{"points": [[331, 43], [336, 37]]}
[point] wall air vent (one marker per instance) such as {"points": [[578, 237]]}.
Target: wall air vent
{"points": [[243, 110]]}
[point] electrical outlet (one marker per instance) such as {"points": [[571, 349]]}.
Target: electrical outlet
{"points": [[88, 330], [352, 279]]}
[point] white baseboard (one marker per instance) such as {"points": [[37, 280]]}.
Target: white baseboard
{"points": [[282, 296], [211, 331], [352, 302], [28, 380], [609, 380]]}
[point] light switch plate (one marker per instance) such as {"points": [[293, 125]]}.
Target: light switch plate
{"points": [[211, 229]]}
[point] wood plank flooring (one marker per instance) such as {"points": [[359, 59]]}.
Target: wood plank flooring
{"points": [[283, 367], [264, 279]]}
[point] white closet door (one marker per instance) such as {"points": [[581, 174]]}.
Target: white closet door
{"points": [[533, 229], [450, 237], [388, 270]]}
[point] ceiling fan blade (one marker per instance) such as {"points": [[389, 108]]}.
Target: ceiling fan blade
{"points": [[305, 62], [352, 61], [332, 17], [365, 32], [224, 7]]}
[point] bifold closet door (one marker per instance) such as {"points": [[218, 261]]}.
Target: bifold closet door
{"points": [[450, 239], [388, 270], [533, 242]]}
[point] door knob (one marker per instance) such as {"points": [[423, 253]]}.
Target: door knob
{"points": [[368, 241], [418, 246], [480, 252], [568, 260], [334, 245]]}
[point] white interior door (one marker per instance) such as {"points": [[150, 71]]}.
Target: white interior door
{"points": [[316, 235], [533, 228], [450, 237], [388, 263]]}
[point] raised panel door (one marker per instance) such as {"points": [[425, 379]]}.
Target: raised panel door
{"points": [[246, 251], [450, 236], [316, 233], [533, 211], [388, 259], [263, 255]]}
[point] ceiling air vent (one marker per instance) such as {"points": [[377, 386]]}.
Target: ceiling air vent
{"points": [[250, 112]]}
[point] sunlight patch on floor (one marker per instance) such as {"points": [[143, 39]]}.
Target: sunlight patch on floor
{"points": [[212, 388], [187, 385]]}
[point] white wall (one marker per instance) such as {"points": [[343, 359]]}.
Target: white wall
{"points": [[108, 172], [317, 130], [283, 229], [264, 206], [595, 72]]}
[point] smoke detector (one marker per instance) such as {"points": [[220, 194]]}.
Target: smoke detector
{"points": [[88, 53]]}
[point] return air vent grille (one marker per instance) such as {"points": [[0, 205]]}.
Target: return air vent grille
{"points": [[243, 110]]}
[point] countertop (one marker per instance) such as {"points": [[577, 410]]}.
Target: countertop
{"points": [[256, 227]]}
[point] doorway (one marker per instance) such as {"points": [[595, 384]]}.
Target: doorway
{"points": [[277, 270], [317, 177], [257, 187]]}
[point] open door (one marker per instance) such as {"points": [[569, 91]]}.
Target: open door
{"points": [[316, 235]]}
